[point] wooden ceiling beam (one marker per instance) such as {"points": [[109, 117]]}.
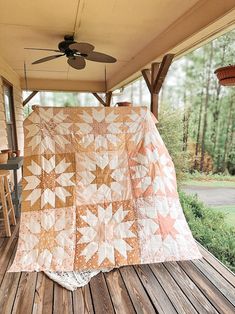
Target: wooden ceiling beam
{"points": [[63, 85], [107, 101], [154, 73], [30, 97], [147, 77], [154, 79], [99, 99], [165, 64]]}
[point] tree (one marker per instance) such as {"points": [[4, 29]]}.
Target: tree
{"points": [[206, 104], [208, 108]]}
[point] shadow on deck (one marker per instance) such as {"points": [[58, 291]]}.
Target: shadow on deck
{"points": [[199, 286]]}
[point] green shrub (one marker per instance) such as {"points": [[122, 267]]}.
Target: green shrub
{"points": [[210, 229], [196, 175], [170, 127]]}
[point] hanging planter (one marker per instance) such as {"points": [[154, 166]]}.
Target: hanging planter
{"points": [[124, 104], [226, 75]]}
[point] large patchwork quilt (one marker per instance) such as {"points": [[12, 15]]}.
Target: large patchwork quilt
{"points": [[99, 191]]}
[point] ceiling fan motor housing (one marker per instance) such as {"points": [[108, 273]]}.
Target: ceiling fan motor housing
{"points": [[64, 45]]}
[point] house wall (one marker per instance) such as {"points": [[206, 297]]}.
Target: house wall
{"points": [[12, 77]]}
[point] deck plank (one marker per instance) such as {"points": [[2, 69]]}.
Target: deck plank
{"points": [[7, 255], [8, 288], [7, 250], [137, 293], [157, 294], [207, 287], [8, 292], [192, 292], [2, 240], [100, 295], [225, 288], [120, 298], [25, 293], [62, 300], [178, 298], [217, 265], [43, 301], [82, 302]]}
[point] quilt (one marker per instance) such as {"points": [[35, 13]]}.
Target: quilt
{"points": [[99, 191]]}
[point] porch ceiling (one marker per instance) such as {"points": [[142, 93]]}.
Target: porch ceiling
{"points": [[135, 32]]}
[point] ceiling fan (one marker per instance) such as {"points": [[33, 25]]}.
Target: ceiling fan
{"points": [[77, 53]]}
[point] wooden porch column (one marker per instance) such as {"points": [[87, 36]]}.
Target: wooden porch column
{"points": [[154, 79], [108, 98]]}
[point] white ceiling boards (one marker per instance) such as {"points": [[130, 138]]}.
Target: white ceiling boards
{"points": [[134, 32]]}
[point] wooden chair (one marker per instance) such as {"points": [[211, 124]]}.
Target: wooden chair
{"points": [[6, 202]]}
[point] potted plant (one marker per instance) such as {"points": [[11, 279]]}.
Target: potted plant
{"points": [[226, 75]]}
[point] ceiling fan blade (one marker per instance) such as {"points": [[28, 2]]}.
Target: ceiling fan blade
{"points": [[82, 47], [77, 62], [42, 49], [47, 59], [100, 57]]}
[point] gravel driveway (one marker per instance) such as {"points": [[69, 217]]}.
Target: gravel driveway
{"points": [[212, 196]]}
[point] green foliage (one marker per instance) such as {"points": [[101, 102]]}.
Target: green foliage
{"points": [[196, 175], [209, 108], [229, 211], [170, 128], [210, 229]]}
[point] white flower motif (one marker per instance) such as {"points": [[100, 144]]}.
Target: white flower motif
{"points": [[106, 233], [46, 240], [48, 181], [153, 137], [106, 168], [47, 130], [99, 128], [135, 121], [140, 172], [167, 178]]}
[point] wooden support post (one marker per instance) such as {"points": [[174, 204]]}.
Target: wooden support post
{"points": [[154, 79], [30, 97], [108, 99], [154, 96], [154, 104]]}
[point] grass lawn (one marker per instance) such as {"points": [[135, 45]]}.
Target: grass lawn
{"points": [[208, 176], [229, 212], [211, 183], [215, 181]]}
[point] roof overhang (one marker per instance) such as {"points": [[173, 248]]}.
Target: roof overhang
{"points": [[135, 32]]}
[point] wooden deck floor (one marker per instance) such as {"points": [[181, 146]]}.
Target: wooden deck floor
{"points": [[174, 287]]}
